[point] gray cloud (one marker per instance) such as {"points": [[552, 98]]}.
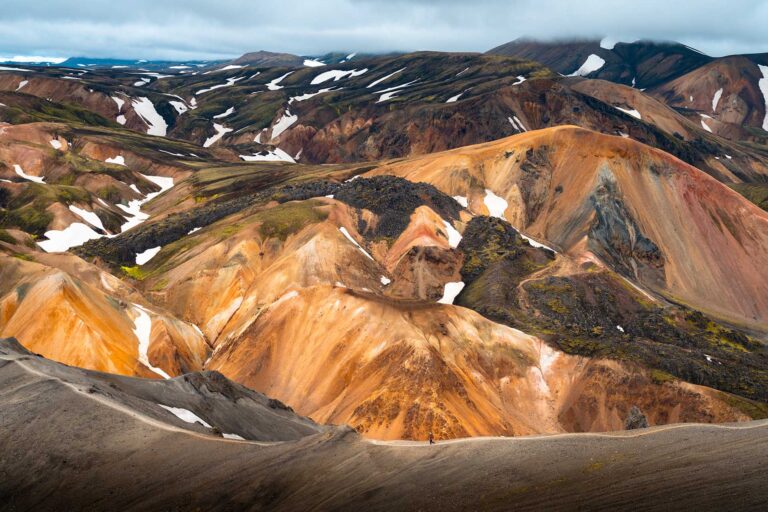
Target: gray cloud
{"points": [[185, 29]]}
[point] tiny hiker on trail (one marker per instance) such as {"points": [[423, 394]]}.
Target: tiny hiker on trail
{"points": [[431, 438]]}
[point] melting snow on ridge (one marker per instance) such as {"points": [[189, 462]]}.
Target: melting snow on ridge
{"points": [[283, 124], [452, 99], [118, 160], [272, 86], [232, 436], [142, 330], [313, 63], [608, 43], [180, 106], [632, 112], [496, 205], [308, 95], [230, 67], [89, 217], [144, 257], [221, 130], [336, 75], [20, 172], [276, 155], [462, 201], [120, 102], [454, 237], [230, 82], [74, 235], [377, 82], [392, 91], [186, 415], [763, 85], [517, 124], [592, 64], [146, 110], [451, 291], [134, 207], [716, 99], [226, 113], [349, 237]]}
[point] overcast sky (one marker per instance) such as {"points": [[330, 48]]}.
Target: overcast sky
{"points": [[186, 29]]}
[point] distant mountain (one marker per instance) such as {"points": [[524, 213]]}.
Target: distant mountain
{"points": [[728, 96], [642, 63], [88, 62]]}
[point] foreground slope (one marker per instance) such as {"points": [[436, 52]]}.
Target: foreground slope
{"points": [[113, 447]]}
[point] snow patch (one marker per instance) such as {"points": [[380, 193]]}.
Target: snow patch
{"points": [[118, 160], [221, 130], [142, 330], [89, 217], [393, 91], [496, 205], [313, 63], [384, 78], [20, 172], [180, 106], [592, 64], [136, 216], [276, 155], [349, 237], [763, 85], [22, 84], [451, 291], [185, 415], [146, 110], [462, 201], [336, 75], [272, 86], [308, 95], [229, 83], [55, 143], [283, 124], [385, 280], [716, 99], [631, 112], [145, 256], [608, 43], [74, 235], [454, 237], [226, 113], [233, 436], [619, 328], [453, 99]]}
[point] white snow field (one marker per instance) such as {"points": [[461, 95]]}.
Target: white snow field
{"points": [[592, 64]]}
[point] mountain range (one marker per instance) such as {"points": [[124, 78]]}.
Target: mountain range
{"points": [[550, 238]]}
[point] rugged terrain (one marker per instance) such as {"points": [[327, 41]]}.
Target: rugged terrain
{"points": [[459, 243], [133, 444]]}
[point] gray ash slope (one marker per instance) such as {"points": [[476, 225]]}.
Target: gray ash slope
{"points": [[112, 448]]}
